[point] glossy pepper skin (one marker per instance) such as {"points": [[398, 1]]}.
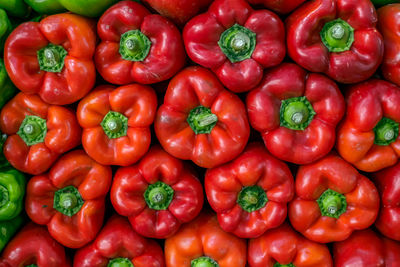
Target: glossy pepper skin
{"points": [[200, 120], [70, 198], [157, 194], [250, 193], [332, 200], [179, 11], [47, 7], [116, 123], [366, 248], [12, 191], [336, 37], [8, 229], [283, 246], [388, 24], [236, 42], [281, 7], [117, 243], [296, 113], [387, 182], [202, 243], [137, 46], [37, 133], [34, 245], [368, 137], [53, 58]]}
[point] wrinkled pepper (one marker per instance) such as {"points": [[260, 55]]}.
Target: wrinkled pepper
{"points": [[366, 248], [332, 200], [37, 133], [116, 123], [250, 193], [368, 137], [180, 11], [279, 6], [16, 8], [202, 243], [284, 247], [388, 183], [70, 198], [200, 120], [118, 245], [388, 25], [336, 37], [157, 194], [53, 58], [33, 246], [12, 191], [236, 42], [296, 113], [8, 229], [137, 46], [7, 88]]}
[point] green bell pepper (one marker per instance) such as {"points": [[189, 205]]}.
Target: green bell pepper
{"points": [[8, 230], [7, 88], [3, 160], [5, 28], [12, 190], [46, 6], [16, 8]]}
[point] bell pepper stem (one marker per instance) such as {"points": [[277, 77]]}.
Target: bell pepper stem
{"points": [[120, 262], [33, 130], [296, 113], [51, 58], [252, 198], [158, 196], [386, 132], [204, 262], [134, 46], [337, 35], [68, 200], [4, 196], [332, 204], [283, 265], [115, 124], [237, 43], [202, 120]]}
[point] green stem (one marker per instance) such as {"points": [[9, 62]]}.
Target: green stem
{"points": [[32, 265], [203, 262], [33, 130], [386, 132], [68, 200], [252, 198], [51, 58], [332, 204], [296, 113], [120, 262], [114, 124], [283, 265], [202, 120], [158, 196], [134, 46], [337, 35], [237, 43], [4, 196]]}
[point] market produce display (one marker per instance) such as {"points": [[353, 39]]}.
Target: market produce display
{"points": [[200, 133]]}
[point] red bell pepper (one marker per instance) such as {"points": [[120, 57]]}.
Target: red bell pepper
{"points": [[137, 46], [53, 58], [332, 200], [116, 123], [336, 37], [70, 198], [180, 11], [33, 246], [369, 135], [157, 194], [37, 133], [203, 243], [296, 113], [118, 245], [279, 6], [200, 120], [284, 247], [388, 25], [388, 183], [366, 248], [250, 193], [236, 42]]}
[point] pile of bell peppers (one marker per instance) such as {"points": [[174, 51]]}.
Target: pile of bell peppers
{"points": [[200, 133]]}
